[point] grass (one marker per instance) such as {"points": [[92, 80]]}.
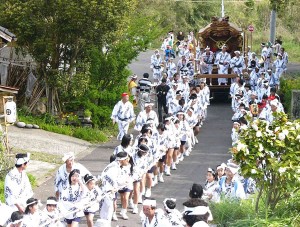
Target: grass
{"points": [[93, 135], [39, 156], [291, 45], [241, 213]]}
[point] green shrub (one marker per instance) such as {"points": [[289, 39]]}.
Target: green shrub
{"points": [[2, 198], [94, 135], [89, 134], [228, 211], [287, 84]]}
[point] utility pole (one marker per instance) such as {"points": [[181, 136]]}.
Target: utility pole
{"points": [[272, 25], [222, 9]]}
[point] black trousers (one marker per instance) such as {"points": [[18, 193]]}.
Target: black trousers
{"points": [[161, 106]]}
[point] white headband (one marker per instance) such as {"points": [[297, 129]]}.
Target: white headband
{"points": [[199, 210], [165, 205], [17, 221], [20, 161], [121, 159], [149, 202], [51, 202]]}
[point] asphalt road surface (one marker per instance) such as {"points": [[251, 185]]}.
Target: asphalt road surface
{"points": [[212, 149]]}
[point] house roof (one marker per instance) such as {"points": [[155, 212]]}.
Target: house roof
{"points": [[7, 35]]}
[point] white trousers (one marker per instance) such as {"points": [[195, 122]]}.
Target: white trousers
{"points": [[106, 208], [123, 129]]}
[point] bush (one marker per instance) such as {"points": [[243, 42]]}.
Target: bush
{"points": [[228, 211], [287, 84], [94, 135], [89, 134]]}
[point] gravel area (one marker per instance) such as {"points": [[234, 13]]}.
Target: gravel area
{"points": [[44, 142]]}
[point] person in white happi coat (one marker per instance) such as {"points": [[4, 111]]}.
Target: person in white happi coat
{"points": [[6, 212], [223, 63], [126, 145], [53, 213], [210, 191], [230, 185], [252, 61], [185, 88], [279, 65], [171, 68], [172, 214], [174, 103], [112, 180], [71, 199], [92, 197], [33, 216], [144, 115], [123, 114], [254, 75], [139, 170], [196, 216], [206, 62], [17, 188], [266, 55], [234, 89], [153, 56], [16, 219], [61, 181], [263, 90], [274, 107], [153, 217], [274, 80], [237, 63], [235, 132], [285, 57], [198, 58], [156, 67]]}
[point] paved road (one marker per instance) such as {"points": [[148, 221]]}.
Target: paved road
{"points": [[212, 149]]}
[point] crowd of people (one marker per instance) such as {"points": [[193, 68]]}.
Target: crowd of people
{"points": [[164, 138]]}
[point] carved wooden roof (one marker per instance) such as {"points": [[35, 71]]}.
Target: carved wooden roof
{"points": [[220, 28]]}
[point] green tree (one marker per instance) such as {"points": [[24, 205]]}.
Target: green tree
{"points": [[269, 153], [59, 33]]}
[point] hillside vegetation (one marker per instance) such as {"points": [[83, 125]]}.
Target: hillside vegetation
{"points": [[82, 48]]}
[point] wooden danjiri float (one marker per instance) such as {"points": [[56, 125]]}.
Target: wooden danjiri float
{"points": [[216, 34]]}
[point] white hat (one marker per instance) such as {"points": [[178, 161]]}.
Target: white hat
{"points": [[237, 52], [207, 48], [234, 168], [149, 202], [134, 76], [67, 156], [149, 104], [274, 102], [22, 158]]}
